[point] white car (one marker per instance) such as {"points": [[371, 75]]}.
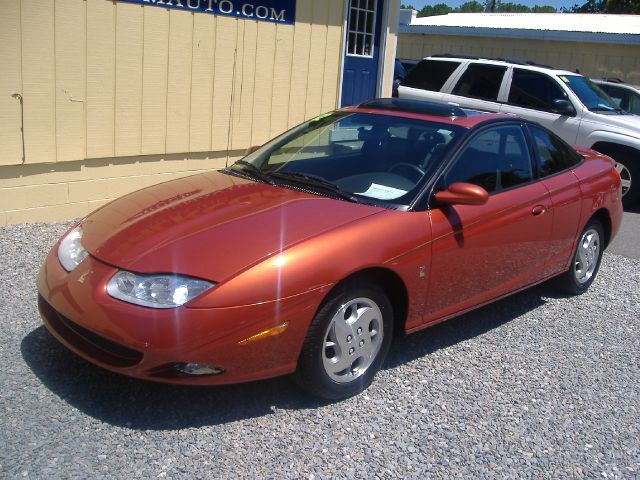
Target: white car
{"points": [[626, 96], [567, 103]]}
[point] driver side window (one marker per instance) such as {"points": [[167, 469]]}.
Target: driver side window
{"points": [[534, 90], [495, 159]]}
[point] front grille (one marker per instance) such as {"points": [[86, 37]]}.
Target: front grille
{"points": [[90, 344]]}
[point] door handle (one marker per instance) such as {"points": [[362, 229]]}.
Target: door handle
{"points": [[538, 210]]}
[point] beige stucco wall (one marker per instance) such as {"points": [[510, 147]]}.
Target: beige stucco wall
{"points": [[117, 96], [592, 59]]}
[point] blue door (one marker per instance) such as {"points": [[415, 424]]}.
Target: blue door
{"points": [[362, 51]]}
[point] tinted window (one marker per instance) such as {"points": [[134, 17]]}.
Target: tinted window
{"points": [[534, 90], [589, 93], [495, 159], [430, 74], [480, 81], [553, 154]]}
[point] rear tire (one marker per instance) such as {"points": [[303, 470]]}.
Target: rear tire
{"points": [[347, 342], [586, 260]]}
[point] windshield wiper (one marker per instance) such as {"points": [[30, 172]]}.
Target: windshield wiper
{"points": [[252, 171], [315, 181], [602, 108]]}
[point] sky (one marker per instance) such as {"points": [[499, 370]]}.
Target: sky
{"points": [[456, 3]]}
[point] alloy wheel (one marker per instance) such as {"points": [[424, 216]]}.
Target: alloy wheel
{"points": [[587, 255]]}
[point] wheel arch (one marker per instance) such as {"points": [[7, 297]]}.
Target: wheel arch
{"points": [[604, 218], [393, 286], [614, 149]]}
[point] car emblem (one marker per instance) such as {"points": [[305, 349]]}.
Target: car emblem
{"points": [[83, 277]]}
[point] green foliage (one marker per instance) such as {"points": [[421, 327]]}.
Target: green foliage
{"points": [[471, 7], [606, 6], [438, 9], [474, 6]]}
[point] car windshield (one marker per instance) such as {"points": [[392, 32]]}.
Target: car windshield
{"points": [[364, 157], [592, 96]]}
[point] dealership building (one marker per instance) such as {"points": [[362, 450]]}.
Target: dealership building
{"points": [[101, 97]]}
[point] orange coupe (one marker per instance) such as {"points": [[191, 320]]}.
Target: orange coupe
{"points": [[310, 253]]}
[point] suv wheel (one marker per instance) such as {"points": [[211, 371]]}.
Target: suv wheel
{"points": [[630, 175]]}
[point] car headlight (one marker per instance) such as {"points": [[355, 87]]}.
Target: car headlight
{"points": [[156, 291], [71, 252]]}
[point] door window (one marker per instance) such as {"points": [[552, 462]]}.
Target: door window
{"points": [[362, 21], [480, 81], [534, 90], [495, 159], [553, 154], [430, 74]]}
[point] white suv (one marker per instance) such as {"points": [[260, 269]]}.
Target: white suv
{"points": [[567, 103]]}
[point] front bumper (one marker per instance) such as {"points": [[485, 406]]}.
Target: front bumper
{"points": [[144, 342]]}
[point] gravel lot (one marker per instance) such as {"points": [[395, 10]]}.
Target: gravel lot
{"points": [[533, 386]]}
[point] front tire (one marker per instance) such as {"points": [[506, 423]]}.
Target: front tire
{"points": [[347, 342], [586, 260]]}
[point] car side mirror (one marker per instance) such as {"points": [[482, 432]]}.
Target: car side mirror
{"points": [[563, 107], [252, 149], [462, 193]]}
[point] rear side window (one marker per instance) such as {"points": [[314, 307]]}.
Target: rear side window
{"points": [[430, 74], [534, 90], [480, 81], [553, 154]]}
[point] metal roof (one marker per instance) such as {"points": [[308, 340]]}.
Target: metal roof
{"points": [[579, 27]]}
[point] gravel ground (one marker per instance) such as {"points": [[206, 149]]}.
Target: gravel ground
{"points": [[535, 386]]}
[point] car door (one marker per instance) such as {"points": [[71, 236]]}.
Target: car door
{"points": [[480, 252], [478, 86], [530, 94], [554, 161]]}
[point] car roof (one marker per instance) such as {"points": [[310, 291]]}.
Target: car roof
{"points": [[503, 61], [615, 82], [427, 110]]}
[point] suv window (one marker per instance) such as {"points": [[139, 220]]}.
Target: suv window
{"points": [[495, 159], [430, 74], [553, 154], [626, 99], [534, 90], [480, 81]]}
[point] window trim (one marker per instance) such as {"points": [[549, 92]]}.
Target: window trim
{"points": [[359, 32]]}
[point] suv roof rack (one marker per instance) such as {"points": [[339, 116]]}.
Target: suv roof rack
{"points": [[498, 59], [455, 55], [414, 106]]}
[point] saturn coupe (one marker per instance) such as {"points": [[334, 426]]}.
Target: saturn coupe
{"points": [[309, 254]]}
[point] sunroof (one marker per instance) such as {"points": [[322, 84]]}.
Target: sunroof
{"points": [[414, 106]]}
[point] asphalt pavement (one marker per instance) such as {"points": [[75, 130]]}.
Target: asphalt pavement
{"points": [[535, 386], [627, 242]]}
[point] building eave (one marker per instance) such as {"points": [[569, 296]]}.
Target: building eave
{"points": [[524, 34]]}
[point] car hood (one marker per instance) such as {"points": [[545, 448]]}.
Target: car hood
{"points": [[625, 121], [211, 225]]}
